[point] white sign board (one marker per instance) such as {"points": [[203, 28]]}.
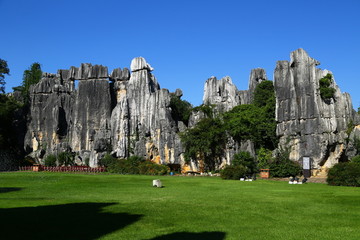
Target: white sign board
{"points": [[306, 163]]}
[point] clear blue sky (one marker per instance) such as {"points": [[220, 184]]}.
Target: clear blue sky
{"points": [[185, 41]]}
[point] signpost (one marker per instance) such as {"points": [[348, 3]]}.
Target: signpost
{"points": [[306, 167]]}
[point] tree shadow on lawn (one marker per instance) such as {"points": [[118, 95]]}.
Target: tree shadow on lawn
{"points": [[68, 221], [9, 189], [192, 236]]}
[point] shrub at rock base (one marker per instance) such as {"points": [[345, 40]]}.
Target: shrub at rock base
{"points": [[233, 172], [284, 169], [50, 160], [133, 165], [344, 174]]}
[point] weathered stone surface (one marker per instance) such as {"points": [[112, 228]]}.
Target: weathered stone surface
{"points": [[225, 95], [257, 75], [90, 129], [50, 112], [221, 93], [87, 71], [140, 63], [310, 125], [128, 114], [120, 75]]}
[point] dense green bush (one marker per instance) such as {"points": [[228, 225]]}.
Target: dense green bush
{"points": [[207, 109], [246, 160], [326, 92], [50, 160], [233, 172], [356, 159], [180, 109], [107, 160], [134, 165], [264, 158], [282, 166], [345, 174], [151, 168], [285, 169], [65, 159]]}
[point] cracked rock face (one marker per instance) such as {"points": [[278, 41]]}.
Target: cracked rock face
{"points": [[225, 95], [126, 114], [311, 126]]}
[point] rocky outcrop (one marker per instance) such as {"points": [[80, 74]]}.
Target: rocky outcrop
{"points": [[141, 120], [221, 93], [119, 113], [224, 95], [127, 113], [311, 126]]}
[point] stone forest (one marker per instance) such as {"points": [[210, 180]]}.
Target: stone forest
{"points": [[89, 112]]}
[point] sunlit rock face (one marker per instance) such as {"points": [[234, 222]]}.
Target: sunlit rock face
{"points": [[309, 125], [90, 112], [122, 113]]}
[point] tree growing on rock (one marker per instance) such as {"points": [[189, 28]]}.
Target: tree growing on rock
{"points": [[4, 70]]}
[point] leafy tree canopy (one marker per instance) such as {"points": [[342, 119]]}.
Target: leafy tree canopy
{"points": [[326, 92], [4, 69], [180, 109], [30, 77], [206, 141]]}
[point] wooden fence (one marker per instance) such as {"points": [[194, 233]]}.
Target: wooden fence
{"points": [[64, 169]]}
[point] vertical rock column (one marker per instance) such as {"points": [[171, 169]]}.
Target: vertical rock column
{"points": [[311, 126], [120, 115], [50, 111], [91, 113]]}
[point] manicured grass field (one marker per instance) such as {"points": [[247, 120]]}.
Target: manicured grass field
{"points": [[78, 206]]}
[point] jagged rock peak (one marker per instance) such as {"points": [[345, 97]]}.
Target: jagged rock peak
{"points": [[178, 93], [140, 63], [120, 75], [222, 93], [301, 56], [257, 75], [87, 71]]}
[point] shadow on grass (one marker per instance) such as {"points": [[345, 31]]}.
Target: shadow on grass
{"points": [[192, 236], [68, 221], [9, 189]]}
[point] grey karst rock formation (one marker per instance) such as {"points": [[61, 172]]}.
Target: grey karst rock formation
{"points": [[121, 113], [127, 113], [309, 125], [225, 95]]}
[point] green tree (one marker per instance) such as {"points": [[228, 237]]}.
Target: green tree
{"points": [[8, 107], [264, 158], [30, 77], [246, 160], [206, 141], [264, 95], [282, 166], [206, 109], [4, 69], [326, 92], [255, 122], [65, 159], [180, 109]]}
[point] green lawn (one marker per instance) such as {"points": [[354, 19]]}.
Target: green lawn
{"points": [[78, 206]]}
